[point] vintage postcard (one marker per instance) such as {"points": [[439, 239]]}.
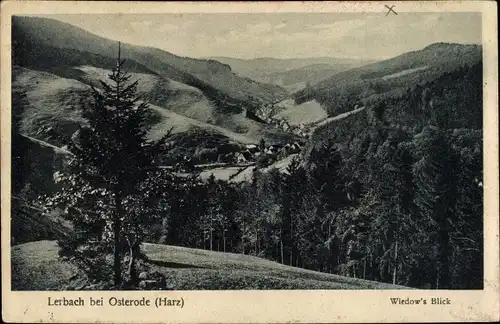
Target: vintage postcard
{"points": [[266, 162]]}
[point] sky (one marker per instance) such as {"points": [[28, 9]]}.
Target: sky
{"points": [[284, 35]]}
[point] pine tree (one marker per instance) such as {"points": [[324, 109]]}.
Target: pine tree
{"points": [[395, 187], [467, 234], [104, 193], [435, 197]]}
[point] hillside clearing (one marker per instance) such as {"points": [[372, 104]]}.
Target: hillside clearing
{"points": [[404, 72], [52, 104], [281, 165], [224, 174], [185, 269], [51, 101], [304, 113], [180, 124], [237, 174], [338, 117]]}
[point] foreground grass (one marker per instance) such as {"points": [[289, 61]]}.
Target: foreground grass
{"points": [[35, 266]]}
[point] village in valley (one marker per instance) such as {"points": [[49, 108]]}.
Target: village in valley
{"points": [[262, 153]]}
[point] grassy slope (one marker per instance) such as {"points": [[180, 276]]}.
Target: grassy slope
{"points": [[180, 124], [185, 269], [184, 100], [204, 90], [164, 92], [304, 113], [53, 102], [35, 266], [50, 32]]}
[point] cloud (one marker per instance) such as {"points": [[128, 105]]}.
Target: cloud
{"points": [[174, 27], [141, 23], [262, 28], [341, 25], [285, 35]]}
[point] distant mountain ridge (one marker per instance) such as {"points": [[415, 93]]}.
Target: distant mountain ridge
{"points": [[281, 65], [286, 72], [344, 90], [297, 79]]}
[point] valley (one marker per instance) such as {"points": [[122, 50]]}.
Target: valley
{"points": [[230, 173]]}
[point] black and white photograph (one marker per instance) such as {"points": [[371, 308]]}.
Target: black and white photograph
{"points": [[249, 162], [247, 151], [169, 152]]}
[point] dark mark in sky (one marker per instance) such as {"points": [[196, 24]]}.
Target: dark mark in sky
{"points": [[390, 9]]}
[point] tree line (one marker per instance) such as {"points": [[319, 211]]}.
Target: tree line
{"points": [[384, 196], [393, 195], [417, 221]]}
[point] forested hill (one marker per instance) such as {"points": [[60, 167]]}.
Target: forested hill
{"points": [[343, 91], [407, 173], [392, 194], [52, 43], [451, 101]]}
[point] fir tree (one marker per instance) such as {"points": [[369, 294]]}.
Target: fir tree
{"points": [[435, 197], [392, 221], [104, 192]]}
